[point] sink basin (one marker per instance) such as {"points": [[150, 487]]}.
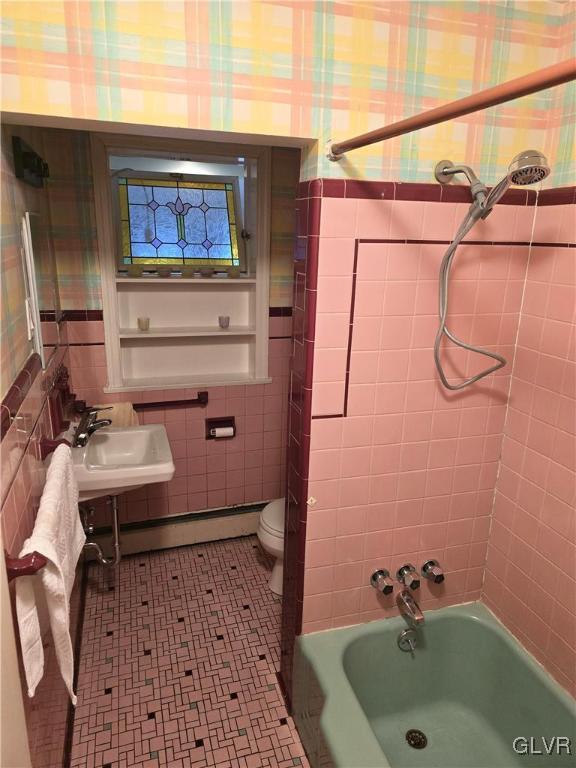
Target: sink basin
{"points": [[119, 459]]}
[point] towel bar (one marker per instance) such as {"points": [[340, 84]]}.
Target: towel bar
{"points": [[201, 400], [24, 566]]}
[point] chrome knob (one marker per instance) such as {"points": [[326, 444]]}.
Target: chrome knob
{"points": [[408, 576], [432, 571], [381, 581]]}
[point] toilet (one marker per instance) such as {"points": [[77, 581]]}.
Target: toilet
{"points": [[271, 536]]}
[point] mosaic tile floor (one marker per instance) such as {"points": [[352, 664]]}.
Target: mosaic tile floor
{"points": [[178, 666]]}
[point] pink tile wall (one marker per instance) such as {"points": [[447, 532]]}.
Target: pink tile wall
{"points": [[531, 566], [209, 474], [23, 476], [408, 470]]}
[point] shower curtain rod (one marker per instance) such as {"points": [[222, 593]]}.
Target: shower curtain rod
{"points": [[513, 89]]}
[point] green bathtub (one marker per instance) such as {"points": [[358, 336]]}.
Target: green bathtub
{"points": [[469, 687]]}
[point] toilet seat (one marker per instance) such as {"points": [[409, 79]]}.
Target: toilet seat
{"points": [[272, 518]]}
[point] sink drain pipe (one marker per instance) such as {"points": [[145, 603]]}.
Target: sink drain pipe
{"points": [[89, 528]]}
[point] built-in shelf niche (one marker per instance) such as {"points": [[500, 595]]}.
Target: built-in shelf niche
{"points": [[172, 304], [197, 352], [202, 359]]}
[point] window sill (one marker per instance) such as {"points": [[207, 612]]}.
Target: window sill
{"points": [[185, 382], [188, 280]]}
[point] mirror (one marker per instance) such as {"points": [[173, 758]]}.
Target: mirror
{"points": [[42, 303]]}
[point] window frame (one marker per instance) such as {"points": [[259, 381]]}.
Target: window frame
{"points": [[256, 219]]}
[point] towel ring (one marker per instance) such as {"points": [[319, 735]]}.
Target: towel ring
{"points": [[24, 566]]}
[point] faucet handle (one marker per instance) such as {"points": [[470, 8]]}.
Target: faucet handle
{"points": [[408, 576], [381, 581], [432, 570]]}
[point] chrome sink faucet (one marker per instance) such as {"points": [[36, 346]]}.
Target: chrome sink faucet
{"points": [[409, 609], [89, 424]]}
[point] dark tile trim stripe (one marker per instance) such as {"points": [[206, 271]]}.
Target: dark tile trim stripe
{"points": [[554, 245], [83, 314], [526, 243], [420, 191], [85, 344], [557, 196], [97, 314], [351, 326]]}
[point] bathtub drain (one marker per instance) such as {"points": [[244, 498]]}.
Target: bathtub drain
{"points": [[416, 738]]}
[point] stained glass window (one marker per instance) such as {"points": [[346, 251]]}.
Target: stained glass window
{"points": [[164, 221]]}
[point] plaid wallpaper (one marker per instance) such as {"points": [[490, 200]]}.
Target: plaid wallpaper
{"points": [[71, 195], [17, 198], [299, 68], [285, 176]]}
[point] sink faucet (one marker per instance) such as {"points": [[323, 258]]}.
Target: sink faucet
{"points": [[409, 609], [89, 424]]}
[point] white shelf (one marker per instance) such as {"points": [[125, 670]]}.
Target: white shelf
{"points": [[168, 333], [186, 382], [219, 281]]}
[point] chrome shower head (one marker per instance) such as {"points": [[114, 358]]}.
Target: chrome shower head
{"points": [[528, 167]]}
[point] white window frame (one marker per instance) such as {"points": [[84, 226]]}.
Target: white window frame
{"points": [[103, 145]]}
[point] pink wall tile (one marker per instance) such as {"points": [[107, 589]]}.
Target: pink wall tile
{"points": [[338, 217], [209, 474], [330, 364], [334, 294], [373, 218], [418, 465], [534, 511], [85, 332], [336, 256], [332, 330], [406, 220], [328, 398]]}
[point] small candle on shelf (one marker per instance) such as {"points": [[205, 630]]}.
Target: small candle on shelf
{"points": [[143, 323]]}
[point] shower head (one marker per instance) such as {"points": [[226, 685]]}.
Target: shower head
{"points": [[528, 167]]}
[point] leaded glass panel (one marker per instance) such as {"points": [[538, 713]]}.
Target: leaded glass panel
{"points": [[178, 222]]}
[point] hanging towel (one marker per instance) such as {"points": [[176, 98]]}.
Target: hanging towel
{"points": [[121, 414], [59, 536]]}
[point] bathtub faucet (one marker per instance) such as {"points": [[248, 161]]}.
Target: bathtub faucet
{"points": [[409, 609]]}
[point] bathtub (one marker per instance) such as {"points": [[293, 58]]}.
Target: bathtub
{"points": [[469, 687]]}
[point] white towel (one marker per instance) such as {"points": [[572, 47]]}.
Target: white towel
{"points": [[59, 536]]}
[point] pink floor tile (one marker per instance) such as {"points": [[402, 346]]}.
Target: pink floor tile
{"points": [[178, 665]]}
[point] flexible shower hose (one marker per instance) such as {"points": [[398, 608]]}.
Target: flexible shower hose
{"points": [[474, 213]]}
